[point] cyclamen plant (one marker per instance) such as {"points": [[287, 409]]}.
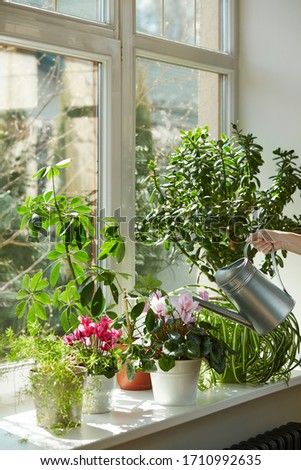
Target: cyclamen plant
{"points": [[176, 331], [95, 343]]}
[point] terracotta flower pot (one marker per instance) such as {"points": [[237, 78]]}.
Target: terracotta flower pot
{"points": [[141, 381]]}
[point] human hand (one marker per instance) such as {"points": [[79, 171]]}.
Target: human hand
{"points": [[264, 241]]}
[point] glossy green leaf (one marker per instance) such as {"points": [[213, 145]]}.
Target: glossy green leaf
{"points": [[21, 309], [21, 295], [37, 282], [81, 256], [54, 275], [86, 293], [137, 310], [26, 281], [98, 302], [39, 310], [53, 255], [43, 298]]}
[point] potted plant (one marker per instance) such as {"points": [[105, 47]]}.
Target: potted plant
{"points": [[95, 349], [180, 339], [56, 378], [80, 290], [70, 284], [205, 203], [136, 361]]}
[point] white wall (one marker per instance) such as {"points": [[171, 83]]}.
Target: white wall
{"points": [[270, 93]]}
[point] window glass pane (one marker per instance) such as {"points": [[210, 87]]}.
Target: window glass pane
{"points": [[149, 17], [169, 98], [48, 112], [195, 22], [95, 10]]}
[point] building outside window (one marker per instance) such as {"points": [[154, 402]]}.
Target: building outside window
{"points": [[109, 84]]}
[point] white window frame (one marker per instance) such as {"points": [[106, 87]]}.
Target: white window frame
{"points": [[116, 46], [137, 44], [37, 29]]}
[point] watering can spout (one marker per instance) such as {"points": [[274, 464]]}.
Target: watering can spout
{"points": [[224, 312]]}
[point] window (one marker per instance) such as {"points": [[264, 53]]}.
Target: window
{"points": [[109, 84], [168, 98], [195, 22], [48, 112], [178, 87], [97, 10]]}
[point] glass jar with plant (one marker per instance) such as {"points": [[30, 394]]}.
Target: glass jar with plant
{"points": [[56, 378]]}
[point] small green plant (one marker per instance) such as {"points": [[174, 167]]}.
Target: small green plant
{"points": [[134, 356], [56, 378]]}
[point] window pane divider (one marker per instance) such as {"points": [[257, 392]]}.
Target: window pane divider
{"points": [[54, 33], [183, 54]]}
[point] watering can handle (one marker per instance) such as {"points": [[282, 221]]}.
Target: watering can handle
{"points": [[268, 238]]}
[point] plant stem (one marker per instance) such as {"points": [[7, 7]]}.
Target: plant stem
{"points": [[62, 222], [127, 315]]}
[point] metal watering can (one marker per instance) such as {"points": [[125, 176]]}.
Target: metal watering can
{"points": [[262, 305]]}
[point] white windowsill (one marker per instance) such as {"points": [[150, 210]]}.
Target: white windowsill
{"points": [[135, 415]]}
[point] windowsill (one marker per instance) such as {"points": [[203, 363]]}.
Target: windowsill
{"points": [[135, 415]]}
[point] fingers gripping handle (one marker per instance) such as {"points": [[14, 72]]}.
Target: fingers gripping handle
{"points": [[275, 266]]}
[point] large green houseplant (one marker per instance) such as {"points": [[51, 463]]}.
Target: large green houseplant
{"points": [[208, 198], [204, 204]]}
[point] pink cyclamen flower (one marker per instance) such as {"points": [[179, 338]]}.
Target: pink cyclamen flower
{"points": [[185, 307], [155, 296], [158, 304], [69, 339], [102, 327], [110, 340], [204, 294], [86, 326], [94, 336]]}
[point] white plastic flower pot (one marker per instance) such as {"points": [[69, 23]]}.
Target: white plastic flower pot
{"points": [[98, 392], [178, 386]]}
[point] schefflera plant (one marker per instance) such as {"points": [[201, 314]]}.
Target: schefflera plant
{"points": [[69, 282]]}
